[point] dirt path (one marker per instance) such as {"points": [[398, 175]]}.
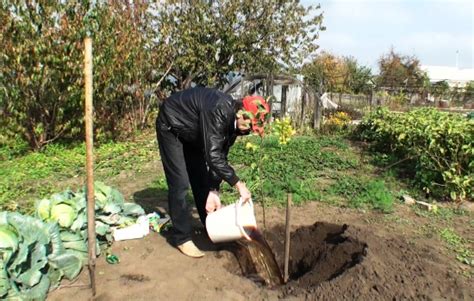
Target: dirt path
{"points": [[393, 261]]}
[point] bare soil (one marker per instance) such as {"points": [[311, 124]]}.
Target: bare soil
{"points": [[336, 254]]}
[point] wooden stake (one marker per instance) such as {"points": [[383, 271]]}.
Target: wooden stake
{"points": [[89, 160], [317, 114], [287, 237]]}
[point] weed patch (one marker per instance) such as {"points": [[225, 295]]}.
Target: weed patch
{"points": [[363, 192], [458, 244], [293, 168]]}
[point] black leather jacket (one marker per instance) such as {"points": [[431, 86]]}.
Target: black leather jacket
{"points": [[205, 118]]}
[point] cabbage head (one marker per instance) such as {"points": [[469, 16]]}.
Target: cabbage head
{"points": [[8, 238], [43, 208], [63, 214]]}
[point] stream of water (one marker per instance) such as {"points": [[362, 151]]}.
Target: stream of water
{"points": [[263, 258]]}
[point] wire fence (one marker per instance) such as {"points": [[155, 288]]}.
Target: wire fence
{"points": [[308, 106], [404, 101]]}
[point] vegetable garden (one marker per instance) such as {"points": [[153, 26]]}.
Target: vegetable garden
{"points": [[328, 169], [381, 210]]}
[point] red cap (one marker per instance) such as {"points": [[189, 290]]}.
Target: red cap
{"points": [[258, 107]]}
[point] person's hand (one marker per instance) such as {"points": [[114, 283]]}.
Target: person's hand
{"points": [[243, 191], [213, 201]]}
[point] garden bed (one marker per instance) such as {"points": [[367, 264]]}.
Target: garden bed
{"points": [[372, 259], [409, 253]]}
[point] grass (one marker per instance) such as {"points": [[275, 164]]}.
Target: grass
{"points": [[30, 176], [322, 168], [274, 170], [459, 245], [363, 192], [440, 225], [442, 214], [313, 168]]}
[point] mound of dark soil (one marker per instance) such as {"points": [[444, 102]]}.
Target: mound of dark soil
{"points": [[321, 253], [340, 262]]}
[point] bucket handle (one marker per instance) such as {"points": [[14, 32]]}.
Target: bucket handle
{"points": [[238, 205]]}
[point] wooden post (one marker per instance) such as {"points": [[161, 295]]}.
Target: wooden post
{"points": [[89, 160], [283, 106], [304, 99], [270, 93], [287, 237], [317, 114]]}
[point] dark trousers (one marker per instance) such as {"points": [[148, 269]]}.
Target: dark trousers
{"points": [[183, 165]]}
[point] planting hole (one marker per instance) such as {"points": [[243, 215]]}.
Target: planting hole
{"points": [[322, 252], [318, 253]]}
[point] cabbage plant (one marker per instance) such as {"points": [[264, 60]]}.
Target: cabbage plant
{"points": [[37, 252], [32, 257]]}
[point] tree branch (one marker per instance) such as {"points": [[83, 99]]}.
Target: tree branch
{"points": [[398, 162]]}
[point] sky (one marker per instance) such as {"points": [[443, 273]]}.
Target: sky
{"points": [[432, 30]]}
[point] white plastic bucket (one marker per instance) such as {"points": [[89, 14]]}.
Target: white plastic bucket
{"points": [[229, 222]]}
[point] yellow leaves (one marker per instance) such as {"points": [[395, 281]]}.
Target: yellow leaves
{"points": [[250, 146], [342, 116], [284, 130], [337, 120], [401, 136]]}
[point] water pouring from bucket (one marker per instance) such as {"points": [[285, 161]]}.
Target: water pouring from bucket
{"points": [[232, 222], [237, 222]]}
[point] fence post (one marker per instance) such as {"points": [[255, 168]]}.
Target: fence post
{"points": [[283, 106], [304, 100], [317, 112], [270, 92]]}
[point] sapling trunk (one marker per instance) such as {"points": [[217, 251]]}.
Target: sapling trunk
{"points": [[287, 237]]}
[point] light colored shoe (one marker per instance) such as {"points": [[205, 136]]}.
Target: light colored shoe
{"points": [[190, 249]]}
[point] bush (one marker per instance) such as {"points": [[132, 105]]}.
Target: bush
{"points": [[41, 75], [336, 122], [438, 146]]}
